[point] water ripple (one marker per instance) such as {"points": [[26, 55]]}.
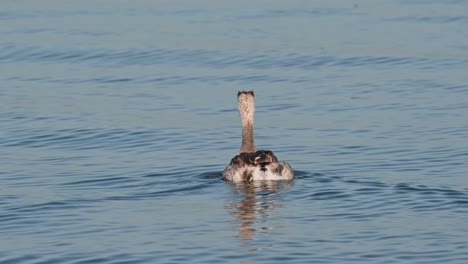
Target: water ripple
{"points": [[430, 19], [212, 58], [84, 139]]}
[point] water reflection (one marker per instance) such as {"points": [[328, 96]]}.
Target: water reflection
{"points": [[255, 206]]}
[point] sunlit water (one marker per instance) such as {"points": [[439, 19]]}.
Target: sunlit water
{"points": [[118, 117]]}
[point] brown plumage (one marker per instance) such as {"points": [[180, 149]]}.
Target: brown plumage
{"points": [[250, 164]]}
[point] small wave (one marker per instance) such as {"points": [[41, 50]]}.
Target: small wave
{"points": [[112, 181], [211, 58], [86, 139], [144, 195], [210, 175], [430, 19]]}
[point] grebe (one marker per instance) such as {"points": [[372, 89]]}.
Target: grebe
{"points": [[250, 164]]}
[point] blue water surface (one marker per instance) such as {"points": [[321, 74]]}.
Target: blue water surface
{"points": [[118, 117]]}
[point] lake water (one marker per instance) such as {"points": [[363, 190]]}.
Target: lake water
{"points": [[118, 117]]}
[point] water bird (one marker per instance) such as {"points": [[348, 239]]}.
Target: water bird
{"points": [[251, 164]]}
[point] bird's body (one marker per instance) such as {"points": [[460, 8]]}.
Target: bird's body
{"points": [[250, 164]]}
